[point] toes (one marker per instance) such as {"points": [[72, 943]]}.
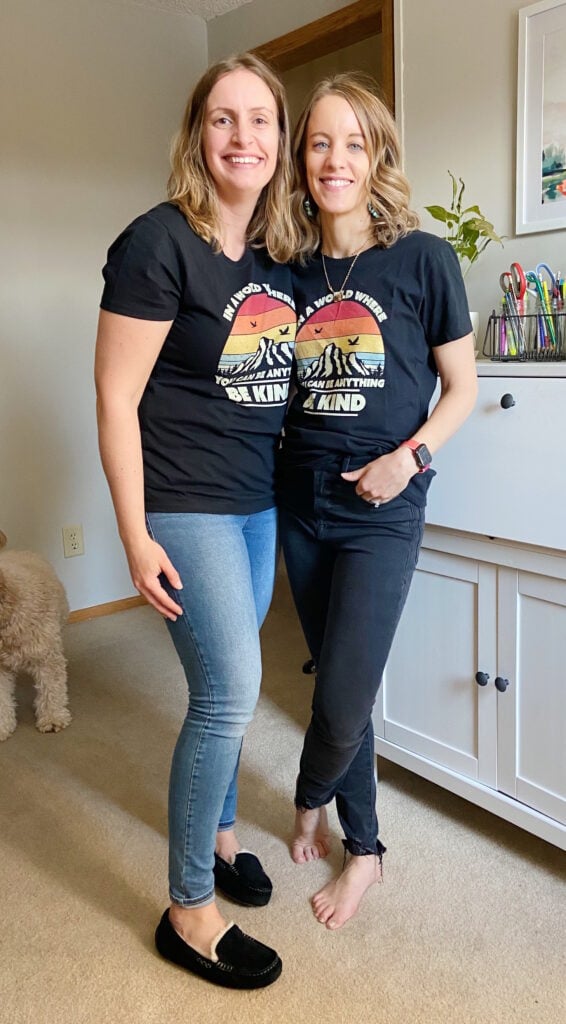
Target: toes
{"points": [[333, 924], [329, 914], [324, 915], [322, 912], [302, 852], [298, 854], [323, 906]]}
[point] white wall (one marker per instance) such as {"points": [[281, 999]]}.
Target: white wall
{"points": [[91, 94], [262, 20], [460, 112]]}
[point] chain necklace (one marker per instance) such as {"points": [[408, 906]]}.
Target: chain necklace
{"points": [[337, 296]]}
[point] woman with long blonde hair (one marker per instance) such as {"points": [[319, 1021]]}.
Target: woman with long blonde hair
{"points": [[382, 312], [193, 361]]}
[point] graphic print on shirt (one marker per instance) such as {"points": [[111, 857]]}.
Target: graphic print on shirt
{"points": [[255, 365], [340, 354]]}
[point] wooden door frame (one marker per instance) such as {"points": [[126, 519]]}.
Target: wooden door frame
{"points": [[342, 28]]}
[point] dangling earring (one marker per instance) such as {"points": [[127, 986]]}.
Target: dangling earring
{"points": [[307, 207], [372, 211]]}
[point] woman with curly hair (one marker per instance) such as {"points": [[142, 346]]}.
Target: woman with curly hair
{"points": [[382, 312], [193, 362]]}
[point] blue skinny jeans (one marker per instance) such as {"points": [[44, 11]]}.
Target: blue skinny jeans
{"points": [[227, 567]]}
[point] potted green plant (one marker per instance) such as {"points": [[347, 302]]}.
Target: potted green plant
{"points": [[466, 228]]}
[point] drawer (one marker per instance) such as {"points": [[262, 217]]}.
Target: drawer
{"points": [[504, 473]]}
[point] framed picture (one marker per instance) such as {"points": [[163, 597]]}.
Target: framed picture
{"points": [[541, 118]]}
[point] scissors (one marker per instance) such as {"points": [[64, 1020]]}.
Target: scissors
{"points": [[514, 282]]}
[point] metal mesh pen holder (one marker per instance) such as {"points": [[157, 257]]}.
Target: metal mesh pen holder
{"points": [[532, 336]]}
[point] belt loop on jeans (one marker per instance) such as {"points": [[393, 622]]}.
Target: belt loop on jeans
{"points": [[345, 463]]}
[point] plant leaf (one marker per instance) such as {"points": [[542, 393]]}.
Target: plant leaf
{"points": [[460, 194], [484, 228], [470, 252], [467, 230], [439, 213], [454, 190]]}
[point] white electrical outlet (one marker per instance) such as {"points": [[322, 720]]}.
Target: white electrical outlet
{"points": [[73, 543]]}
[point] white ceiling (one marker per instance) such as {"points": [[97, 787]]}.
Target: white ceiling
{"points": [[207, 9]]}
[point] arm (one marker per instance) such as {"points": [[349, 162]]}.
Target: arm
{"points": [[385, 478], [126, 350]]}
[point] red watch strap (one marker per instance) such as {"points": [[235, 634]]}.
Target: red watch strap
{"points": [[413, 445]]}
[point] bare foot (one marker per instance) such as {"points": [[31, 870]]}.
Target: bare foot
{"points": [[198, 926], [312, 838], [338, 901], [227, 846]]}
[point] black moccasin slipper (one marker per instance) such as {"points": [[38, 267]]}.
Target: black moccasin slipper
{"points": [[244, 881], [237, 960]]}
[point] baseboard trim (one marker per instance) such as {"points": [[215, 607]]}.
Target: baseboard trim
{"points": [[81, 614]]}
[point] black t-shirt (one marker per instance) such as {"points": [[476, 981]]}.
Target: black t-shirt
{"points": [[212, 410], [365, 372]]}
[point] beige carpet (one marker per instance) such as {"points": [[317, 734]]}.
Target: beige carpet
{"points": [[470, 925]]}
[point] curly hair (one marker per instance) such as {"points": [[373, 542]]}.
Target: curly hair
{"points": [[191, 187], [388, 188]]}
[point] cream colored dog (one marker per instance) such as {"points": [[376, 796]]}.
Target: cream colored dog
{"points": [[33, 608]]}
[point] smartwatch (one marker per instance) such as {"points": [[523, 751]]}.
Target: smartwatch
{"points": [[421, 454]]}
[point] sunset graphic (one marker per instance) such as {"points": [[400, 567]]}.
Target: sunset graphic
{"points": [[255, 366], [339, 351]]}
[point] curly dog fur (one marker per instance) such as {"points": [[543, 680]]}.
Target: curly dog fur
{"points": [[33, 609]]}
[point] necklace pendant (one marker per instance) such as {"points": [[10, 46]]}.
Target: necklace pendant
{"points": [[338, 296]]}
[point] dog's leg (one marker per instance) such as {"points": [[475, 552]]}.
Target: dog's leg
{"points": [[7, 703], [50, 676]]}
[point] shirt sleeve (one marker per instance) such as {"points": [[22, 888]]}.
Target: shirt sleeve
{"points": [[143, 276], [445, 312]]}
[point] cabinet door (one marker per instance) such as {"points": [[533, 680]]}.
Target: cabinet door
{"points": [[430, 702], [502, 469], [532, 711]]}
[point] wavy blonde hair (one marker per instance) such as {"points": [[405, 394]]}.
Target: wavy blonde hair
{"points": [[388, 188], [192, 188]]}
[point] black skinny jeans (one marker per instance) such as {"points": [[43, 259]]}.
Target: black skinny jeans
{"points": [[350, 566]]}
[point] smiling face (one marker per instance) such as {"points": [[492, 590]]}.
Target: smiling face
{"points": [[240, 137], [336, 159]]}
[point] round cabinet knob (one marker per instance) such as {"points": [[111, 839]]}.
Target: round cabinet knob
{"points": [[482, 678], [309, 667], [507, 401], [501, 684]]}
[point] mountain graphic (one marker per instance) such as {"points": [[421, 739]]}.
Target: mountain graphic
{"points": [[335, 363], [269, 355]]}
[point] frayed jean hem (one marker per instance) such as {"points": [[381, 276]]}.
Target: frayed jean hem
{"points": [[360, 850]]}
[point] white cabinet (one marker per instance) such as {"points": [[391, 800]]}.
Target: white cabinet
{"points": [[504, 473], [481, 602], [531, 714], [430, 703]]}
